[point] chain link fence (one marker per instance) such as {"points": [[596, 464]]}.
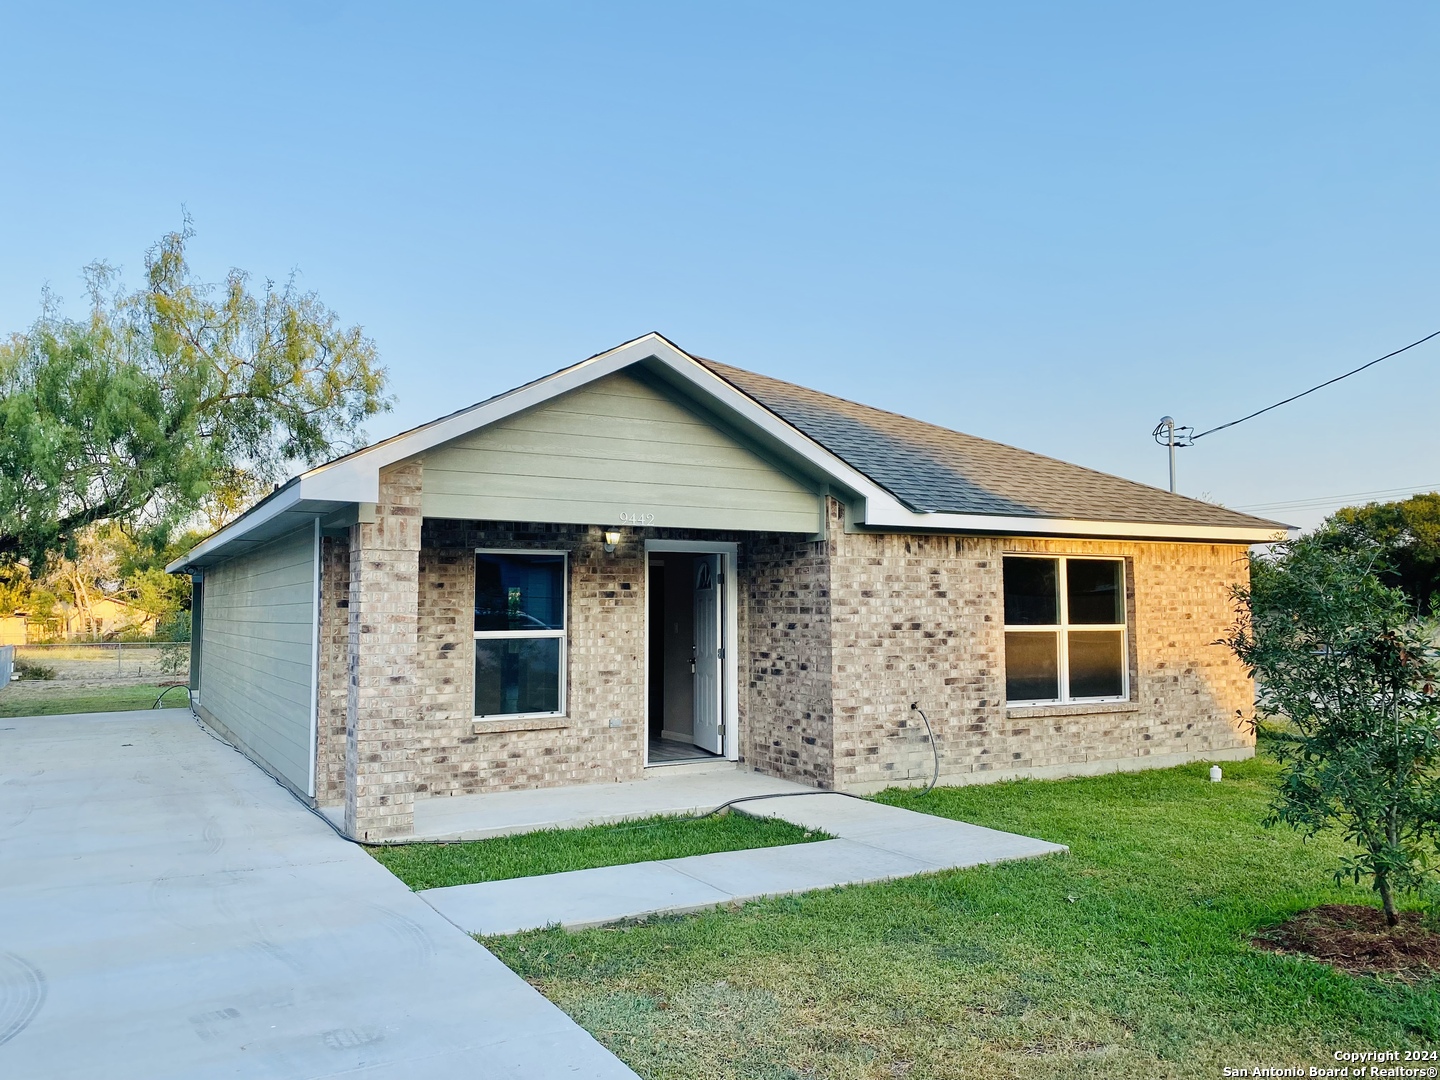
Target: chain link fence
{"points": [[102, 664]]}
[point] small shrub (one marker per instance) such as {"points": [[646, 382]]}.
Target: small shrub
{"points": [[29, 669], [175, 657], [175, 653], [174, 627]]}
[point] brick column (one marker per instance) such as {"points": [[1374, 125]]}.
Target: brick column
{"points": [[382, 704], [334, 676]]}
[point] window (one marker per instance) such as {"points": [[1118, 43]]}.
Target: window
{"points": [[1064, 630], [519, 633]]}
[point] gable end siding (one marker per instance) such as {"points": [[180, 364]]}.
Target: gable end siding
{"points": [[256, 677], [616, 446]]}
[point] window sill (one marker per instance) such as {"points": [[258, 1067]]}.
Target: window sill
{"points": [[1086, 708], [518, 723]]}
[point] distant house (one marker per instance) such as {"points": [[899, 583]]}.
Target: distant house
{"points": [[12, 629], [649, 557], [106, 617]]}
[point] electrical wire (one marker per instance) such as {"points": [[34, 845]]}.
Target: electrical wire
{"points": [[1321, 501], [934, 748], [1321, 386], [167, 690]]}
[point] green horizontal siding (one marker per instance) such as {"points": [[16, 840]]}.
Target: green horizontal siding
{"points": [[256, 653], [617, 446]]}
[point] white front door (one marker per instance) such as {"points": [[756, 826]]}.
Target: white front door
{"points": [[709, 615]]}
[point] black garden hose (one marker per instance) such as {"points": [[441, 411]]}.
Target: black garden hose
{"points": [[177, 686]]}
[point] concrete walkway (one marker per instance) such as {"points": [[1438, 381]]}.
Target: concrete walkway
{"points": [[167, 911], [873, 843]]}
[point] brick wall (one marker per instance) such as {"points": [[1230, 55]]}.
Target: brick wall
{"points": [[382, 701], [334, 675], [920, 618], [838, 637], [602, 735], [789, 734], [915, 620]]}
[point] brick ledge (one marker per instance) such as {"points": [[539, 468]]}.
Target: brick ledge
{"points": [[534, 723], [1020, 712]]}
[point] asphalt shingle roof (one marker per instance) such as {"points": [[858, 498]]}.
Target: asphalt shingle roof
{"points": [[932, 469]]}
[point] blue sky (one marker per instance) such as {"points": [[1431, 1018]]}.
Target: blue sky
{"points": [[1047, 224]]}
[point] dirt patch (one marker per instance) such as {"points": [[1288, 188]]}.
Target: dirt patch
{"points": [[94, 666], [1356, 939]]}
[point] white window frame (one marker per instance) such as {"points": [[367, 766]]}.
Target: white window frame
{"points": [[562, 634], [1062, 629]]}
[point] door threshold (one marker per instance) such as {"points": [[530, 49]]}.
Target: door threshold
{"points": [[662, 751], [657, 769]]}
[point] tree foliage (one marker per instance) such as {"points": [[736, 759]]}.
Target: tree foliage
{"points": [[15, 587], [107, 564], [168, 398], [1406, 535], [1347, 693]]}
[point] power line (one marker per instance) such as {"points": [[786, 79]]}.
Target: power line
{"points": [[1321, 386], [1173, 436], [1321, 501]]}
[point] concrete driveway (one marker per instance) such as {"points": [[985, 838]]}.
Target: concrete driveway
{"points": [[166, 910]]}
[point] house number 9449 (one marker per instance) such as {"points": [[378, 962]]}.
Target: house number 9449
{"points": [[636, 520]]}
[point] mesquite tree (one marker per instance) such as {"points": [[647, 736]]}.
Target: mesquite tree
{"points": [[1407, 535], [1347, 678], [177, 395]]}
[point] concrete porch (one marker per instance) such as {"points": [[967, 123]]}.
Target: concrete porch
{"points": [[665, 789]]}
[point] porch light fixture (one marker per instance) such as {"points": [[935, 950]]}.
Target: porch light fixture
{"points": [[612, 537]]}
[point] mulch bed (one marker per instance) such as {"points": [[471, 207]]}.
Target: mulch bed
{"points": [[1356, 939]]}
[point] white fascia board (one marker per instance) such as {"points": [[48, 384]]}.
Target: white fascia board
{"points": [[996, 524], [282, 501]]}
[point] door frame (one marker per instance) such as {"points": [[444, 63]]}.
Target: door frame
{"points": [[729, 636]]}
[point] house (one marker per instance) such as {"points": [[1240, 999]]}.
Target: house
{"points": [[14, 629], [649, 557], [106, 617]]}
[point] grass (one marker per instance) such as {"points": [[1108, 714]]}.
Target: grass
{"points": [[551, 851], [1130, 957], [47, 699]]}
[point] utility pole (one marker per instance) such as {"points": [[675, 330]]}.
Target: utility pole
{"points": [[1168, 423], [1170, 436]]}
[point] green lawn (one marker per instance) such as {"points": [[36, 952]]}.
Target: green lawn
{"points": [[550, 851], [1127, 958], [48, 699]]}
